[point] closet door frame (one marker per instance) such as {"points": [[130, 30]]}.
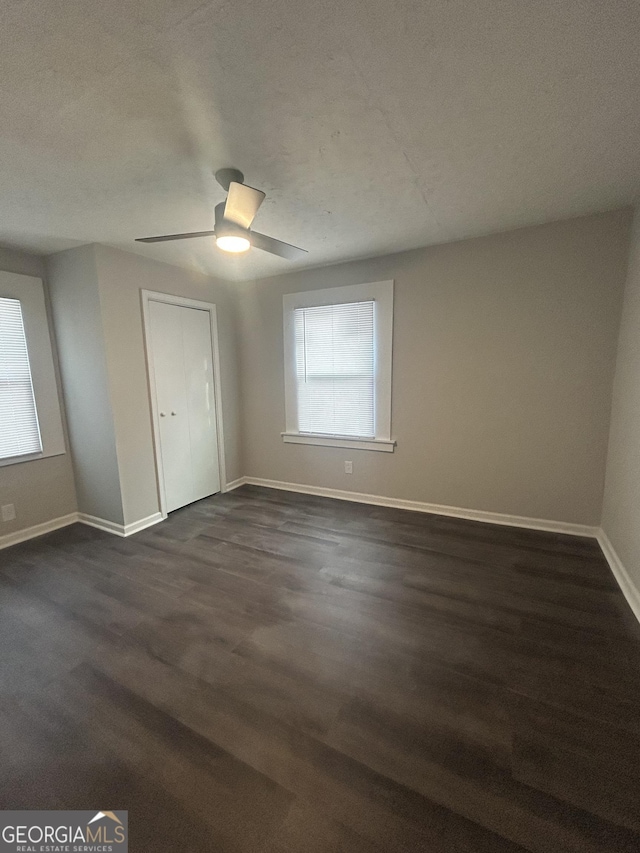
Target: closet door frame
{"points": [[148, 296]]}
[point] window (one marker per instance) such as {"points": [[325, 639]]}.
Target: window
{"points": [[338, 366], [335, 369], [30, 419], [19, 429]]}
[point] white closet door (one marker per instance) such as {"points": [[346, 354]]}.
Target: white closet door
{"points": [[183, 371], [201, 404]]}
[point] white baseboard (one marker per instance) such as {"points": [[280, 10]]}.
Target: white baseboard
{"points": [[83, 518], [235, 484], [37, 530], [435, 509], [143, 523], [120, 529], [629, 589], [101, 523]]}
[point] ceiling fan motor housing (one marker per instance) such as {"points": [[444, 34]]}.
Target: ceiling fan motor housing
{"points": [[224, 228], [225, 176]]}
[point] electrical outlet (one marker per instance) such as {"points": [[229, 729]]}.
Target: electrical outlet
{"points": [[348, 467], [8, 512]]}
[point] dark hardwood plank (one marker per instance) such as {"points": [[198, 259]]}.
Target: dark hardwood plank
{"points": [[272, 673]]}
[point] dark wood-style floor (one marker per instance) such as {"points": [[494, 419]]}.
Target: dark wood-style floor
{"points": [[277, 673]]}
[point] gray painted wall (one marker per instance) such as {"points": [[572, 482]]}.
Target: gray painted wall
{"points": [[621, 512], [121, 277], [75, 301], [504, 354], [98, 316], [42, 489]]}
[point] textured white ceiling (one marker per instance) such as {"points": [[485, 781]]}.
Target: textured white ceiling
{"points": [[372, 125]]}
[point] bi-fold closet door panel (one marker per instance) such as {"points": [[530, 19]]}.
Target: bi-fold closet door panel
{"points": [[201, 402], [185, 402]]}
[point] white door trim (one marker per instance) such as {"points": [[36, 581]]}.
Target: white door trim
{"points": [[148, 296]]}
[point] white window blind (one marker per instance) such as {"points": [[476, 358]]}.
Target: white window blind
{"points": [[335, 369], [19, 430]]}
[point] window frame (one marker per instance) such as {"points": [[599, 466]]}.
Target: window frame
{"points": [[381, 293], [29, 291]]}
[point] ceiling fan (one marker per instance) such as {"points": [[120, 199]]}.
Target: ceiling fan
{"points": [[233, 219]]}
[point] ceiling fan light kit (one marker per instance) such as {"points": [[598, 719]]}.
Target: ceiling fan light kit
{"points": [[233, 219], [229, 236], [232, 243]]}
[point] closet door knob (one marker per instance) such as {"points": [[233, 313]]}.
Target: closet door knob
{"points": [[162, 414], [174, 413]]}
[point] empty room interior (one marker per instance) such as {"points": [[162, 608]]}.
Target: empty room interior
{"points": [[320, 426]]}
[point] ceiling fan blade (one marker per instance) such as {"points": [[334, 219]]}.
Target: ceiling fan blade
{"points": [[175, 237], [242, 204], [277, 247]]}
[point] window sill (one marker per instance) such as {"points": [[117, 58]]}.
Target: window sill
{"points": [[380, 444], [30, 457]]}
